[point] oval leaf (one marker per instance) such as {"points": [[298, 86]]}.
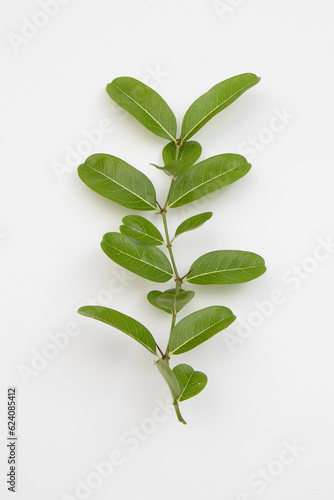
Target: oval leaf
{"points": [[118, 181], [123, 323], [207, 176], [141, 229], [145, 260], [191, 383], [199, 327], [169, 377], [226, 267], [152, 298], [215, 100], [172, 301], [193, 223], [187, 155], [145, 104]]}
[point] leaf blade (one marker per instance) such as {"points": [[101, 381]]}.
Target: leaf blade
{"points": [[224, 267], [169, 377], [122, 322], [152, 298], [191, 382], [144, 104], [187, 155], [118, 181], [169, 299], [144, 260], [141, 229], [193, 223], [213, 101], [207, 176], [198, 327]]}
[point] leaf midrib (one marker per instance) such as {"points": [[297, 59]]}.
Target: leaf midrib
{"points": [[145, 110], [224, 271]]}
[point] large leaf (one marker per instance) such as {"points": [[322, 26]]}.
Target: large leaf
{"points": [[166, 301], [187, 155], [192, 223], [141, 229], [118, 181], [199, 327], [225, 267], [123, 323], [215, 100], [191, 383], [145, 260], [145, 104], [206, 177], [169, 377]]}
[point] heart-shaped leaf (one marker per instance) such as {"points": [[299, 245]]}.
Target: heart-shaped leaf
{"points": [[207, 176], [186, 155], [145, 260], [193, 223], [145, 104], [123, 323], [141, 229], [215, 100], [118, 181], [190, 381], [199, 327], [226, 267], [166, 301]]}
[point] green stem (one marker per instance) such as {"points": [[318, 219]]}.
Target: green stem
{"points": [[178, 413]]}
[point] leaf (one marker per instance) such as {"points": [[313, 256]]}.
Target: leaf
{"points": [[118, 181], [207, 176], [199, 327], [165, 300], [145, 104], [215, 100], [187, 155], [123, 323], [141, 229], [191, 383], [225, 267], [152, 298], [169, 377], [145, 260], [193, 223]]}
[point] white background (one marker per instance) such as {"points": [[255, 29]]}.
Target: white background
{"points": [[269, 385]]}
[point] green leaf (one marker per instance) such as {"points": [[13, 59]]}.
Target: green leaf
{"points": [[215, 100], [187, 155], [141, 229], [169, 377], [199, 327], [152, 298], [193, 223], [191, 383], [123, 323], [207, 176], [145, 260], [225, 267], [166, 300], [118, 181], [145, 104]]}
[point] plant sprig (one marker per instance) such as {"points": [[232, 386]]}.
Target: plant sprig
{"points": [[135, 247]]}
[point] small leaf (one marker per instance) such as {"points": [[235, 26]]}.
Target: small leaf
{"points": [[225, 267], [207, 176], [165, 300], [169, 377], [145, 260], [191, 383], [193, 223], [141, 229], [187, 155], [118, 181], [152, 298], [215, 100], [199, 327], [145, 104], [123, 323]]}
